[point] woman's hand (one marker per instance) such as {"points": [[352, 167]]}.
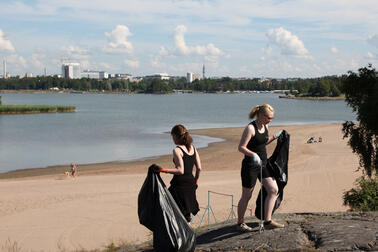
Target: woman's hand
{"points": [[157, 168], [277, 135], [256, 161]]}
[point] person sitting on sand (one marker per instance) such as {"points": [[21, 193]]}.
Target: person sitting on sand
{"points": [[184, 184], [310, 140], [320, 139], [73, 170], [253, 145]]}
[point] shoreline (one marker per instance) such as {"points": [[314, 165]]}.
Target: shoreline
{"points": [[100, 205], [313, 98], [124, 166]]}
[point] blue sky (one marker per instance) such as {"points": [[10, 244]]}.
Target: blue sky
{"points": [[240, 38]]}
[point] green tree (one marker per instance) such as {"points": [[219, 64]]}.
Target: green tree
{"points": [[324, 88], [158, 86], [361, 93], [335, 91]]}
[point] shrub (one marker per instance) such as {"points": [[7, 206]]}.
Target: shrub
{"points": [[364, 197]]}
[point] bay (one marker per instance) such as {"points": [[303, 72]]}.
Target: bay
{"points": [[124, 127]]}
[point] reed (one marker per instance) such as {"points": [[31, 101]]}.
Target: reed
{"points": [[26, 109]]}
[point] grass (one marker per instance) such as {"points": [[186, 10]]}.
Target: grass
{"points": [[13, 246], [26, 109]]}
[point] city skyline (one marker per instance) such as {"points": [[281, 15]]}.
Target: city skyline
{"points": [[276, 38]]}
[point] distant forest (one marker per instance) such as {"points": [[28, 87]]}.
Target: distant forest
{"points": [[318, 87]]}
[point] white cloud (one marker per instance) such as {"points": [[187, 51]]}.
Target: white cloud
{"points": [[334, 50], [289, 43], [85, 64], [132, 63], [5, 45], [244, 69], [163, 51], [117, 40], [212, 60], [17, 60], [317, 67], [38, 59], [107, 66], [75, 52], [238, 26], [267, 52], [182, 48], [371, 56], [156, 63], [373, 40]]}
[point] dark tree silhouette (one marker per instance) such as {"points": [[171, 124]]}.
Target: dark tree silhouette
{"points": [[361, 93]]}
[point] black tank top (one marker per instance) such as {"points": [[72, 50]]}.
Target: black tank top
{"points": [[187, 177], [258, 143]]}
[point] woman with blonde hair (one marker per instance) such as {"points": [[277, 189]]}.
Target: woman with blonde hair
{"points": [[184, 184], [253, 145]]}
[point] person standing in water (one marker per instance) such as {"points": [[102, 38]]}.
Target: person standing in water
{"points": [[253, 145], [184, 184]]}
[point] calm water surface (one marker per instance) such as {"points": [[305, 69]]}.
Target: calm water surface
{"points": [[116, 127]]}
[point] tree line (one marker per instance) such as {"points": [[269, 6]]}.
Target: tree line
{"points": [[323, 86]]}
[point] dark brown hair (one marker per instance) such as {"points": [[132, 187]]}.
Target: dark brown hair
{"points": [[182, 136]]}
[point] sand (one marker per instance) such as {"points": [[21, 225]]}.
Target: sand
{"points": [[43, 210]]}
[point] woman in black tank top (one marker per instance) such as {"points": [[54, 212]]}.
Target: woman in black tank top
{"points": [[184, 184], [253, 145]]}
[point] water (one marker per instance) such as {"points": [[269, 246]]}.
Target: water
{"points": [[117, 127]]}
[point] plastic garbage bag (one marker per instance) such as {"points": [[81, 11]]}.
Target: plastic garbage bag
{"points": [[278, 163], [158, 211]]}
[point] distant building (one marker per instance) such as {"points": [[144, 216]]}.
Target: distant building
{"points": [[71, 70], [29, 75], [121, 76], [190, 77], [98, 75], [161, 76]]}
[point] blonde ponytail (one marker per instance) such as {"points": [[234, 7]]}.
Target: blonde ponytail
{"points": [[254, 111], [262, 108]]}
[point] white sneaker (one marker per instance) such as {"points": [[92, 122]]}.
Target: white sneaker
{"points": [[242, 227]]}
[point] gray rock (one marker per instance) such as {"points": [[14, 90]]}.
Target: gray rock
{"points": [[345, 231]]}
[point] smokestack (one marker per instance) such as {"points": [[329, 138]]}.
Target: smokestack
{"points": [[4, 69], [45, 72]]}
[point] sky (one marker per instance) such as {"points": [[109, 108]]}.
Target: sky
{"points": [[238, 38]]}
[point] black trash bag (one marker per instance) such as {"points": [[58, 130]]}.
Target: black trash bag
{"points": [[278, 164], [158, 211]]}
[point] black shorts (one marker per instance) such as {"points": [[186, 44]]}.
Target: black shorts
{"points": [[249, 174]]}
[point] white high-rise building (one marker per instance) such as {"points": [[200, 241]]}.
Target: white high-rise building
{"points": [[190, 77], [29, 75], [71, 70]]}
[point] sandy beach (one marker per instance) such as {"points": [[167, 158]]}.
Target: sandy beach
{"points": [[43, 210]]}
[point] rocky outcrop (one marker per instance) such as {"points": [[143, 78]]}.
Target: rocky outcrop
{"points": [[347, 231]]}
